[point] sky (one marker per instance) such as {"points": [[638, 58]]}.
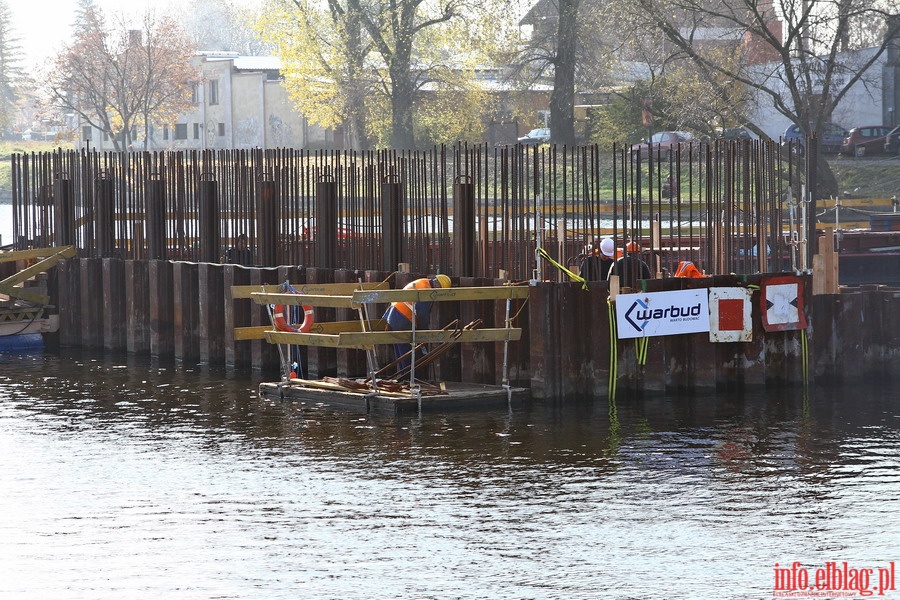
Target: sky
{"points": [[43, 26]]}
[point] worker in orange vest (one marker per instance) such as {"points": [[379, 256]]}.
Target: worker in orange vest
{"points": [[399, 315]]}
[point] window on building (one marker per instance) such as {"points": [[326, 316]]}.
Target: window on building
{"points": [[86, 133], [213, 92], [196, 131], [180, 131], [195, 93], [221, 129], [165, 132]]}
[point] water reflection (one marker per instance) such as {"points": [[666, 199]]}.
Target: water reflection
{"points": [[124, 477]]}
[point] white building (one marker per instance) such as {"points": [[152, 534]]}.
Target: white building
{"points": [[240, 103], [864, 103]]}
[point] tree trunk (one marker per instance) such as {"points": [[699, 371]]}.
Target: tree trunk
{"points": [[356, 123], [562, 100], [401, 109]]}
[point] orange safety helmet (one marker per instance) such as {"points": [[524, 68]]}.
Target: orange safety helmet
{"points": [[633, 247]]}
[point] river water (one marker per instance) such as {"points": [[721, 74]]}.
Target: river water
{"points": [[125, 478]]}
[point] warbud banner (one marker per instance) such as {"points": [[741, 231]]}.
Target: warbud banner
{"points": [[662, 313]]}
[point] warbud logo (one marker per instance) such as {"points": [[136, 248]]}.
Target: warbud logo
{"points": [[662, 313], [640, 314]]}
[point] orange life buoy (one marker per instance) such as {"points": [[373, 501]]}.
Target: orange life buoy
{"points": [[283, 323]]}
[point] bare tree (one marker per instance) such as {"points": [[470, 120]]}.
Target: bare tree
{"points": [[119, 79], [801, 57], [574, 45]]}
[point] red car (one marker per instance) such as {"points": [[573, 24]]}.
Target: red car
{"points": [[861, 141]]}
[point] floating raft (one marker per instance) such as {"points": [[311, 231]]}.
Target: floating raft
{"points": [[23, 308], [389, 396], [454, 395]]}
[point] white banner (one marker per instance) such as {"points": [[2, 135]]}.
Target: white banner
{"points": [[662, 313]]}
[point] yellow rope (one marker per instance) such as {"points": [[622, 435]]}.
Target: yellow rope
{"points": [[640, 347], [804, 345], [543, 254], [613, 359]]}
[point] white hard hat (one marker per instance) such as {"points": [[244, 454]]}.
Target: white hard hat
{"points": [[607, 246]]}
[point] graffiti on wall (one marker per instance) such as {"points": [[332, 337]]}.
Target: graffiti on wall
{"points": [[280, 133], [248, 133]]}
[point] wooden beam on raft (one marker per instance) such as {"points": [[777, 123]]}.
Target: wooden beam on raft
{"points": [[325, 301], [368, 339], [332, 328], [65, 251], [318, 289], [9, 285], [357, 297], [496, 292]]}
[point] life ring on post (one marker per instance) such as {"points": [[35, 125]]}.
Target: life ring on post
{"points": [[281, 315]]}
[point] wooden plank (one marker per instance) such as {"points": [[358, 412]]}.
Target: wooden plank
{"points": [[827, 272], [333, 328], [303, 300], [302, 339], [370, 338], [320, 289], [497, 292], [64, 251], [818, 279], [24, 294], [244, 291], [8, 285]]}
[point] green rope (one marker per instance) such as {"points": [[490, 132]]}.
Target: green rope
{"points": [[543, 254]]}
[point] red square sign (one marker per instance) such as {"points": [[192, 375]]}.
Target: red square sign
{"points": [[731, 314]]}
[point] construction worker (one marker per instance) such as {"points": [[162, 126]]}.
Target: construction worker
{"points": [[596, 264], [630, 268], [399, 315]]}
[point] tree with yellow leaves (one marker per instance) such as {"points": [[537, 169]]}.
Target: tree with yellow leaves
{"points": [[383, 70]]}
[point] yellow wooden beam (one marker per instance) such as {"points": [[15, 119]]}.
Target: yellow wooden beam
{"points": [[65, 251], [9, 285], [331, 328], [495, 292], [320, 289], [303, 300], [386, 296], [371, 338]]}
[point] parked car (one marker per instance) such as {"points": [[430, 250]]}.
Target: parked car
{"points": [[662, 143], [535, 136], [829, 141], [861, 141], [735, 133], [892, 141]]}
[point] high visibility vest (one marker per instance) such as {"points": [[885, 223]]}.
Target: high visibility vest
{"points": [[687, 269], [423, 309]]}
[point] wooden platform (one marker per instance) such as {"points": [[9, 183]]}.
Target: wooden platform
{"points": [[458, 396]]}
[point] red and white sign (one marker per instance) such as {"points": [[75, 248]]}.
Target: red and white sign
{"points": [[781, 303], [729, 315]]}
